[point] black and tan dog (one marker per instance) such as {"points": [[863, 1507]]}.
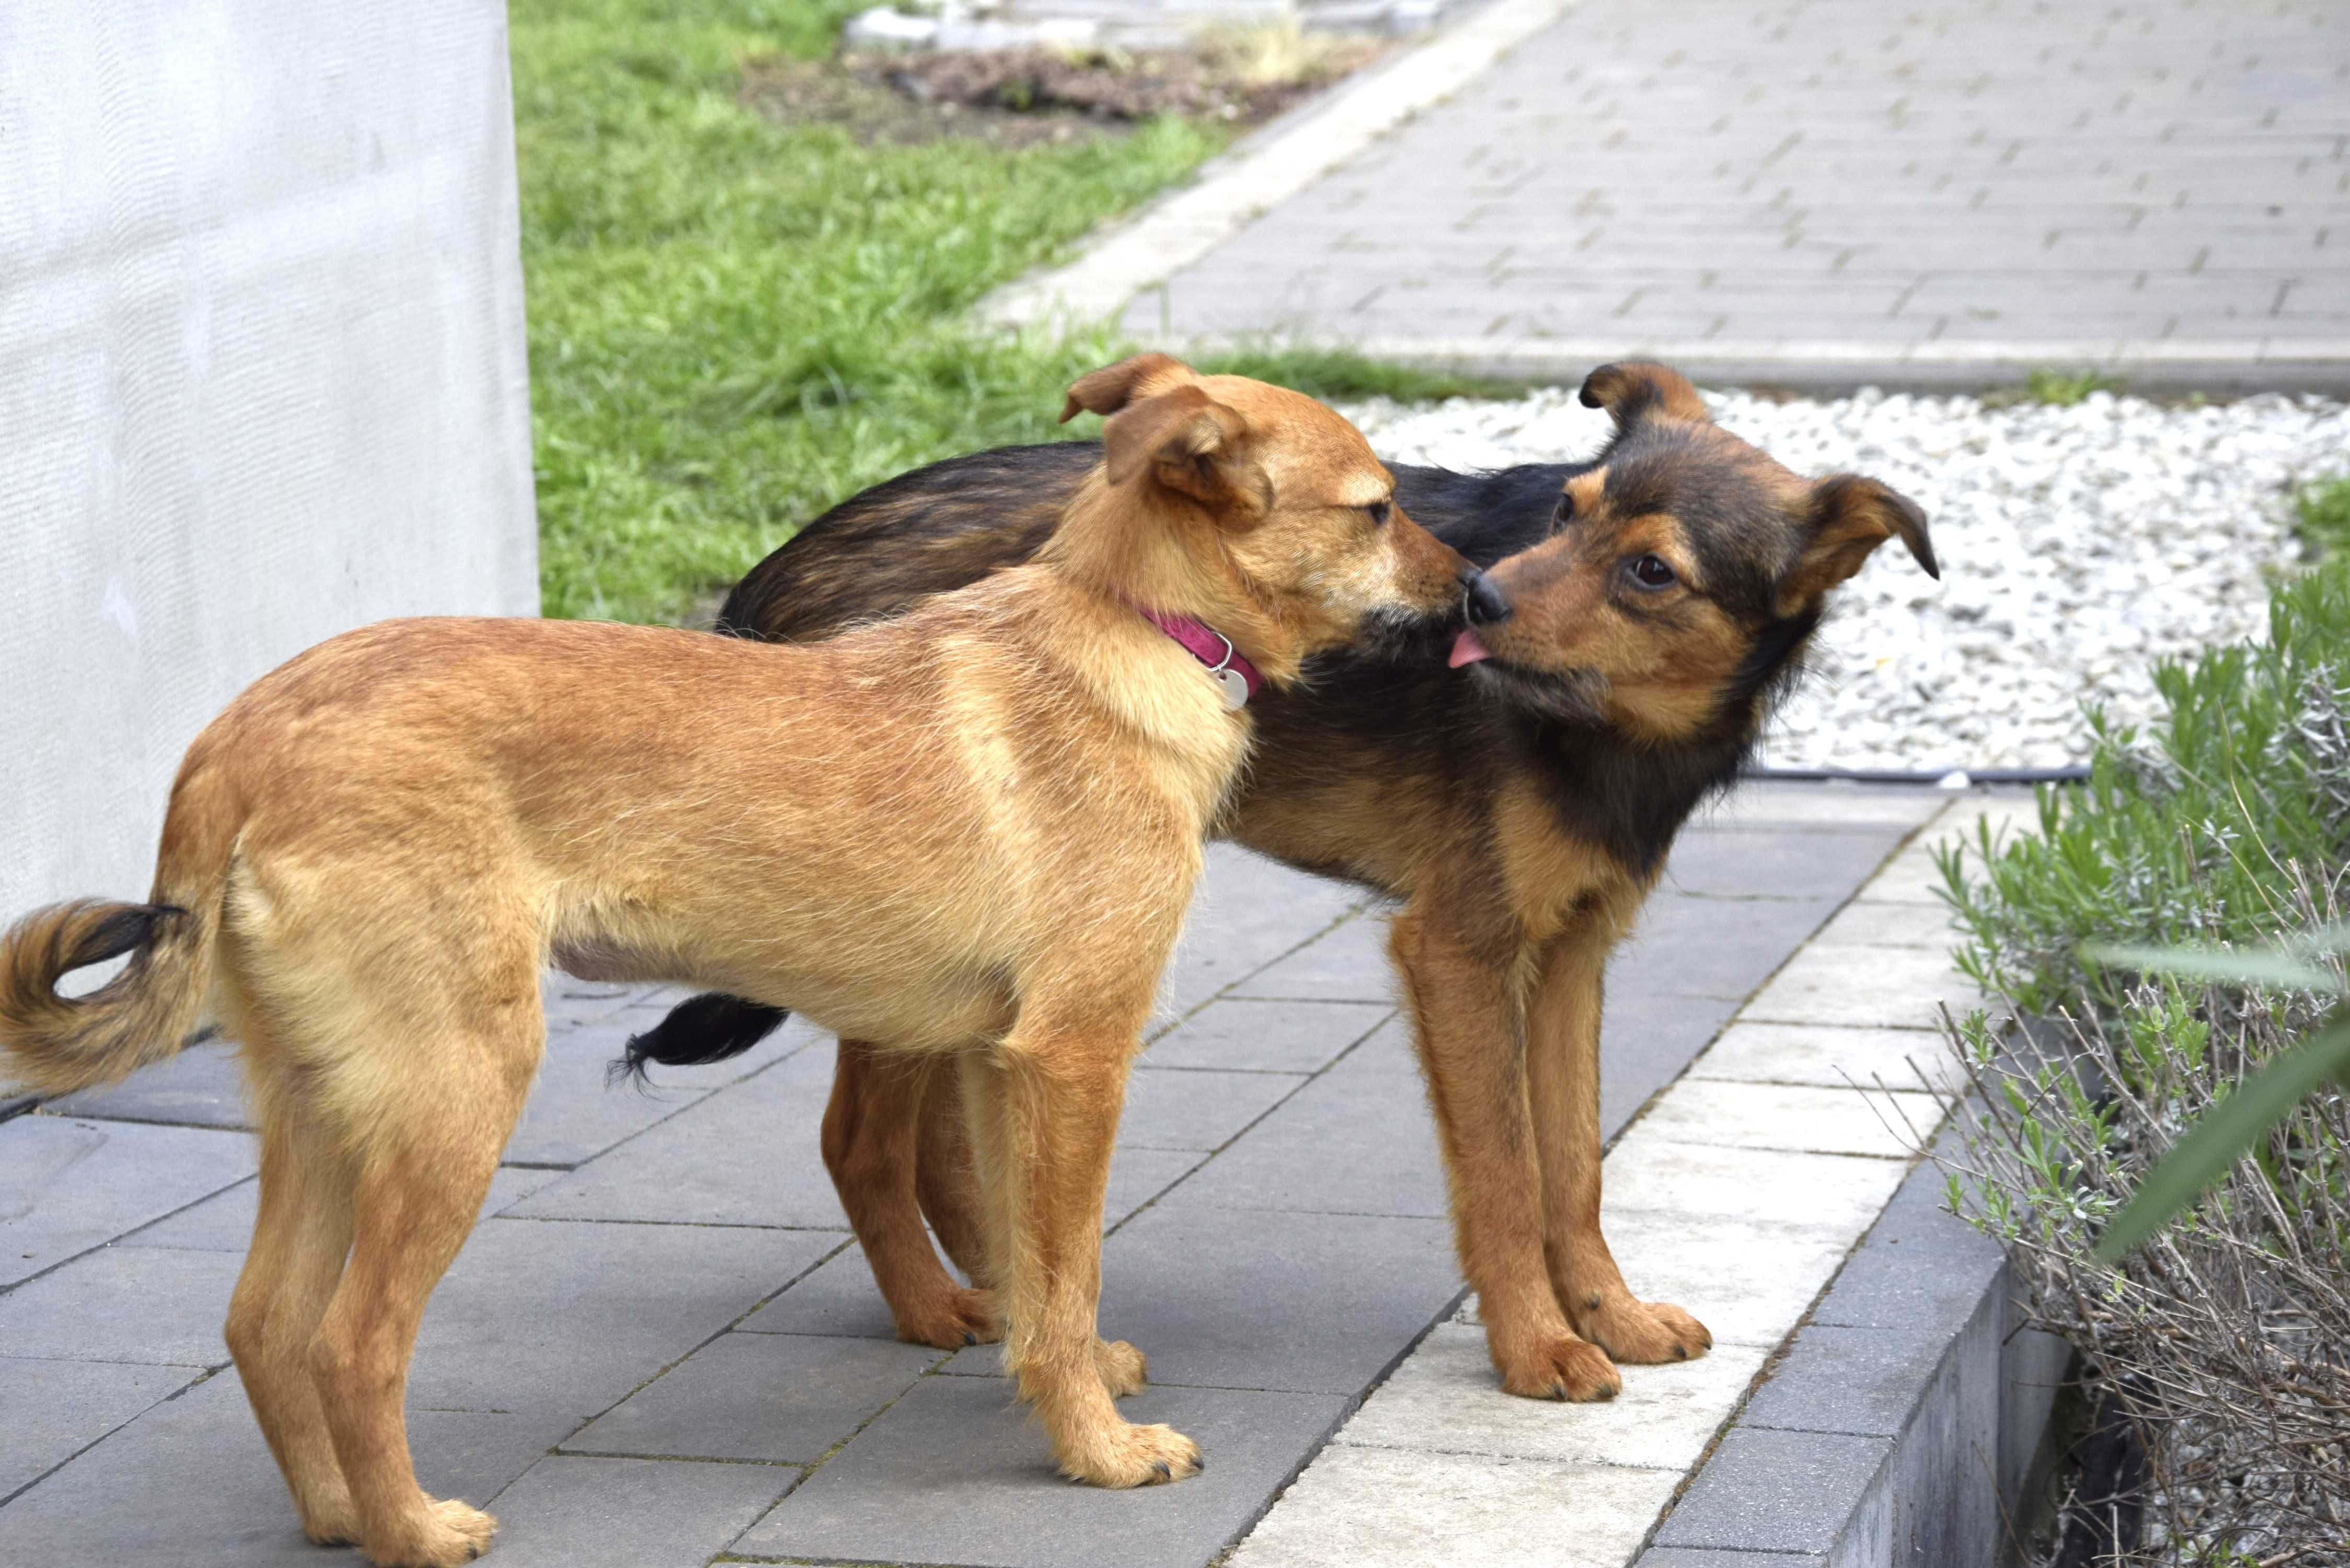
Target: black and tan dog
{"points": [[978, 823], [1664, 593]]}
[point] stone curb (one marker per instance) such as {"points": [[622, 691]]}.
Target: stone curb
{"points": [[1276, 163], [1902, 1424], [1837, 367]]}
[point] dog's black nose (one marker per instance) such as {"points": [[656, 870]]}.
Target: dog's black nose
{"points": [[1486, 604]]}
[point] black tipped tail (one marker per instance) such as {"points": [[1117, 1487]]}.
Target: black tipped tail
{"points": [[698, 1031]]}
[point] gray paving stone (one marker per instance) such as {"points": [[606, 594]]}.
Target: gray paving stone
{"points": [[956, 1473], [1919, 1268], [1722, 948], [746, 1156], [1752, 863], [190, 1484], [1774, 1491], [1197, 1109], [1139, 1177], [1645, 1041], [223, 1222], [1248, 911], [1347, 964], [56, 1408], [154, 1304], [645, 1514], [572, 1115], [1298, 1303], [568, 1317], [1304, 1303], [1687, 154], [782, 1398], [1266, 1036], [1356, 1140], [201, 1086], [68, 1184], [837, 1299], [1864, 1381]]}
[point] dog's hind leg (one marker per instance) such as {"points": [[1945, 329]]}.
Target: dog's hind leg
{"points": [[946, 1182], [872, 1126], [290, 1273], [431, 1131], [1044, 1114], [1563, 1071], [1466, 1028]]}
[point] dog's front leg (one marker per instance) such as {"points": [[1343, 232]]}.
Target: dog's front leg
{"points": [[1043, 1112], [1563, 1073], [1467, 1029]]}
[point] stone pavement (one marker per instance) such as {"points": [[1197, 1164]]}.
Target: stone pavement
{"points": [[660, 1345], [1825, 190]]}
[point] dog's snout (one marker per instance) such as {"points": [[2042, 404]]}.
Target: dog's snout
{"points": [[1487, 604]]}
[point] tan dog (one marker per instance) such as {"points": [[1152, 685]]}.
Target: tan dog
{"points": [[980, 822]]}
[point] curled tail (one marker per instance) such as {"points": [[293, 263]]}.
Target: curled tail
{"points": [[54, 1043]]}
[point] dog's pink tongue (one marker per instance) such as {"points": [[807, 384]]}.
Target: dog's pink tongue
{"points": [[1467, 649]]}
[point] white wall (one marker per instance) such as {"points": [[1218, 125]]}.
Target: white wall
{"points": [[261, 377]]}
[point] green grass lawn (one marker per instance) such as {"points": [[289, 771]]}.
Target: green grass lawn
{"points": [[735, 323]]}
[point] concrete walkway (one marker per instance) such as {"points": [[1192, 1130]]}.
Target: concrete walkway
{"points": [[1819, 193], [661, 1344]]}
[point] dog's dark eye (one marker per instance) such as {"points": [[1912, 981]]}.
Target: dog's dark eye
{"points": [[1377, 511], [1650, 572]]}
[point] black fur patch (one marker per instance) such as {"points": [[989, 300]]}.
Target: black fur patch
{"points": [[129, 927], [700, 1030]]}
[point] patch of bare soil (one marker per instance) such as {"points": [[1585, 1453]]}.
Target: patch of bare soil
{"points": [[1027, 98]]}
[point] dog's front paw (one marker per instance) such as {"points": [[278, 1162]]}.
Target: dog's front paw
{"points": [[1123, 1368], [1643, 1333], [448, 1533], [1124, 1456], [1563, 1367], [951, 1319]]}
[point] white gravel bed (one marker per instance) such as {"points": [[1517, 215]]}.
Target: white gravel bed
{"points": [[2077, 545]]}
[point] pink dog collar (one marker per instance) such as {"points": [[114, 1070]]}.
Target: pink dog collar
{"points": [[1235, 677]]}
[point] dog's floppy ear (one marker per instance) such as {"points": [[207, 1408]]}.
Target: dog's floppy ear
{"points": [[1190, 443], [1633, 391], [1113, 387], [1850, 517]]}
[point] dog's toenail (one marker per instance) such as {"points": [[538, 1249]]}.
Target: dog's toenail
{"points": [[1681, 1351], [1591, 1303], [970, 1338], [1160, 1466]]}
